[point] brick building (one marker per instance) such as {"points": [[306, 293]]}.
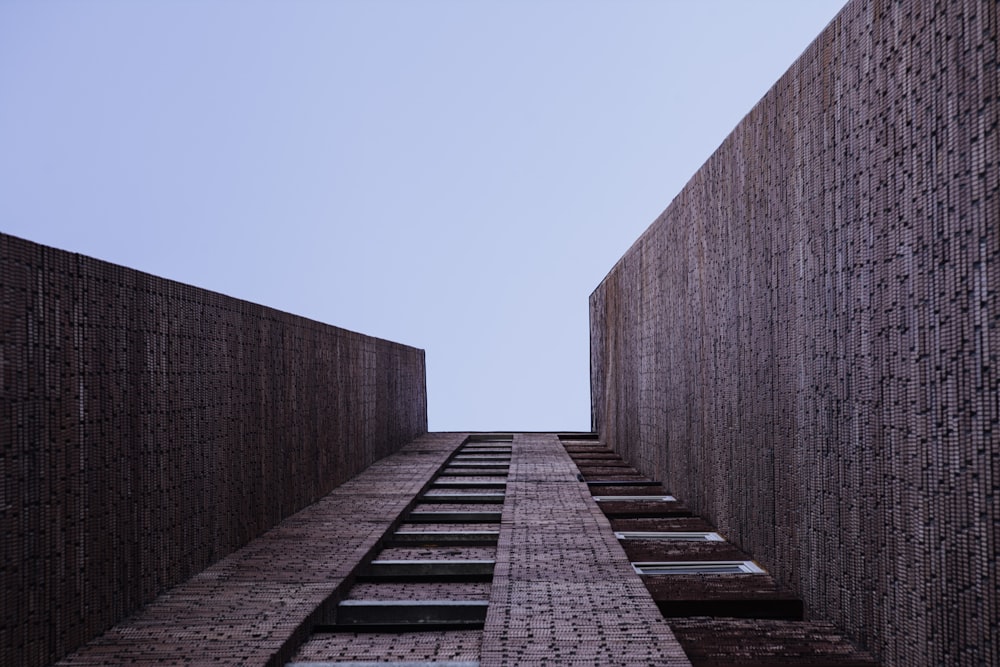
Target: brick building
{"points": [[794, 458]]}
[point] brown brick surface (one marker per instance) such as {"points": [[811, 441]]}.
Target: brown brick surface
{"points": [[674, 524], [668, 550], [149, 428], [437, 553], [766, 643], [563, 592], [616, 509], [415, 590], [803, 347], [433, 527], [647, 490], [701, 587], [248, 608], [392, 646]]}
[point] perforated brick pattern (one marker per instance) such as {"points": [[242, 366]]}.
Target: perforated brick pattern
{"points": [[674, 587], [637, 508], [452, 590], [392, 646], [469, 479], [149, 428], [433, 527], [651, 490], [639, 551], [673, 524], [761, 643], [456, 507], [437, 553], [463, 491], [803, 347], [563, 591], [698, 602], [251, 606]]}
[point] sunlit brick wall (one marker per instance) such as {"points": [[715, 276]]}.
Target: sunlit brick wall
{"points": [[804, 346], [148, 428]]}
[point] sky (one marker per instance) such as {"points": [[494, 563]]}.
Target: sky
{"points": [[455, 175]]}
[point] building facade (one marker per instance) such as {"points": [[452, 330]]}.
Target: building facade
{"points": [[804, 345]]}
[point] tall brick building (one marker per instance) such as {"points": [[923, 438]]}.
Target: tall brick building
{"points": [[804, 344], [799, 357]]}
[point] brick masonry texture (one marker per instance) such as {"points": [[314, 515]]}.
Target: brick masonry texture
{"points": [[563, 591], [803, 346], [256, 605], [149, 428]]}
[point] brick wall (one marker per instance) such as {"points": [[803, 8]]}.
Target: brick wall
{"points": [[148, 428], [804, 346]]}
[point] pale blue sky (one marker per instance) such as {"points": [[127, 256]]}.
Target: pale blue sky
{"points": [[454, 175]]}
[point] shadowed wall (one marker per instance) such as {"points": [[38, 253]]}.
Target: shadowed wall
{"points": [[804, 345], [148, 428]]}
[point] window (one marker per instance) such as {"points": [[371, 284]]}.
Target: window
{"points": [[673, 536], [699, 567], [615, 499]]}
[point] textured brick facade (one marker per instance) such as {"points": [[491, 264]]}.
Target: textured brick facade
{"points": [[804, 345], [149, 428]]}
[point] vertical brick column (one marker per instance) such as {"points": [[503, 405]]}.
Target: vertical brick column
{"points": [[563, 590]]}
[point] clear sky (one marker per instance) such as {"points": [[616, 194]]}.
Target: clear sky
{"points": [[457, 175]]}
